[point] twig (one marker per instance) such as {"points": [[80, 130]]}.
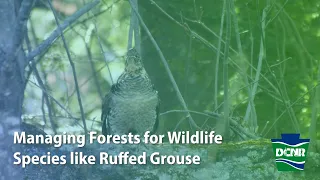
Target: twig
{"points": [[130, 32], [134, 30], [235, 93], [33, 33], [98, 13], [93, 69], [164, 61], [210, 31], [251, 111], [279, 63], [235, 124], [102, 51], [213, 115], [218, 58], [58, 103], [187, 67], [224, 125], [210, 45], [297, 33], [44, 96], [29, 116], [86, 81], [30, 71], [95, 78], [253, 120], [59, 30], [315, 111], [42, 109], [290, 106], [280, 10], [192, 33], [282, 87], [72, 67]]}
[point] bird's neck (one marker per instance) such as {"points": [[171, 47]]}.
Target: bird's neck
{"points": [[132, 85]]}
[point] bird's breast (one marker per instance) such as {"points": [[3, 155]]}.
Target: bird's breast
{"points": [[138, 112], [137, 103]]}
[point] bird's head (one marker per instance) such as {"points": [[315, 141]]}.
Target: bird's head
{"points": [[133, 62]]}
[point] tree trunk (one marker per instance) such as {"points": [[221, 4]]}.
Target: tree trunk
{"points": [[12, 82]]}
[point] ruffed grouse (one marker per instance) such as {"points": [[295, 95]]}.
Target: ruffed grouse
{"points": [[132, 105]]}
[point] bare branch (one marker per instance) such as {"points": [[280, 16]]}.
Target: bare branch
{"points": [[72, 67], [102, 51], [59, 30], [134, 30], [44, 95], [23, 15], [215, 98], [213, 115], [89, 53], [164, 61], [58, 103], [226, 124]]}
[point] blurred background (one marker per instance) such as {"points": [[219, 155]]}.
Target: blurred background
{"points": [[268, 54]]}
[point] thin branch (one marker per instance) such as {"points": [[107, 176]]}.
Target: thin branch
{"points": [[283, 89], [103, 10], [281, 86], [87, 80], [136, 27], [279, 63], [213, 115], [252, 93], [164, 61], [235, 93], [290, 106], [297, 33], [216, 116], [87, 41], [44, 96], [253, 114], [215, 99], [33, 33], [42, 109], [211, 46], [210, 31], [192, 33], [235, 124], [315, 110], [280, 10], [134, 30], [130, 32], [93, 69], [225, 124], [58, 103], [59, 30], [31, 116], [187, 67], [102, 51], [72, 67]]}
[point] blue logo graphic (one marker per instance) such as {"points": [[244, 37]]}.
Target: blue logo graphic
{"points": [[290, 152]]}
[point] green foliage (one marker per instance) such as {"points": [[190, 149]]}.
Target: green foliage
{"points": [[284, 40]]}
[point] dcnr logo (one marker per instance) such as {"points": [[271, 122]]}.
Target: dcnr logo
{"points": [[290, 152]]}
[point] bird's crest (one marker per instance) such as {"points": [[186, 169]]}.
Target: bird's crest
{"points": [[133, 62]]}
